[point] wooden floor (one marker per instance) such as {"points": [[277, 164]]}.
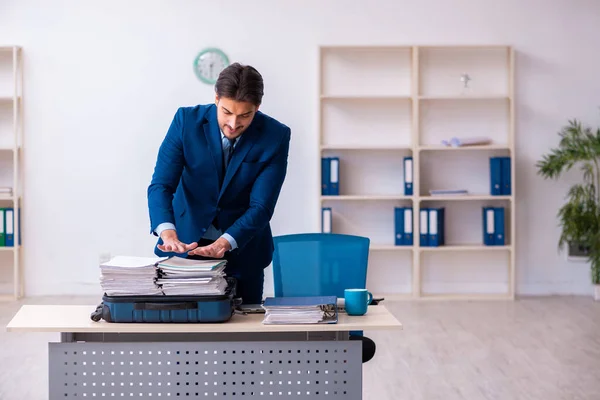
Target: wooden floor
{"points": [[533, 348]]}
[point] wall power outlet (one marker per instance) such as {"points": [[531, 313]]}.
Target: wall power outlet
{"points": [[577, 252]]}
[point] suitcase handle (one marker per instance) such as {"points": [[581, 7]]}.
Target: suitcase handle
{"points": [[189, 305]]}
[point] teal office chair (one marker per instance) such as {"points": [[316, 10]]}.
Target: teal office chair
{"points": [[322, 264]]}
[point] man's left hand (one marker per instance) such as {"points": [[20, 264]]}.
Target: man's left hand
{"points": [[215, 250]]}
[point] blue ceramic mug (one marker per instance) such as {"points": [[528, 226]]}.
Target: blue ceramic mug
{"points": [[357, 300]]}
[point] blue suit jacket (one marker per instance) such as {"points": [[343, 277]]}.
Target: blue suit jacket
{"points": [[186, 187]]}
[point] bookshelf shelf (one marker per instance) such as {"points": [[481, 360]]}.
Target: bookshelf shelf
{"points": [[359, 147], [464, 148], [466, 297], [383, 247], [379, 105], [11, 248], [471, 247], [365, 97], [467, 197], [11, 175], [465, 97], [9, 99], [366, 198]]}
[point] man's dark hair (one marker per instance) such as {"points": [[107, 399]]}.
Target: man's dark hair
{"points": [[240, 83]]}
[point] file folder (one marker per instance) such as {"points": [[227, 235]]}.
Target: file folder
{"points": [[424, 227], [9, 221], [2, 227], [403, 226], [494, 226], [399, 226], [334, 176], [499, 236], [495, 176], [408, 176], [325, 175], [436, 227], [326, 220], [488, 226], [408, 226], [506, 177]]}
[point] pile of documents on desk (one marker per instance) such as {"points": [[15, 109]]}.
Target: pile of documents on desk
{"points": [[301, 310], [142, 276], [129, 276], [182, 276]]}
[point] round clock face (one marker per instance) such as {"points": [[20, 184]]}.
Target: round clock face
{"points": [[209, 63]]}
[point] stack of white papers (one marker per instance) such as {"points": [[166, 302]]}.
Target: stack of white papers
{"points": [[294, 315], [448, 192], [129, 276], [300, 310], [182, 276]]}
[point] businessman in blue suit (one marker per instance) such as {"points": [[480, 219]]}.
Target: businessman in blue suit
{"points": [[217, 178]]}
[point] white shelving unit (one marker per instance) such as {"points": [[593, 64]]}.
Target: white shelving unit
{"points": [[11, 175], [380, 104]]}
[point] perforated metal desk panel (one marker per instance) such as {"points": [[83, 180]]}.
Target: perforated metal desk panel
{"points": [[239, 359]]}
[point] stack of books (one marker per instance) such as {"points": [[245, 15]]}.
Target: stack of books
{"points": [[301, 310]]}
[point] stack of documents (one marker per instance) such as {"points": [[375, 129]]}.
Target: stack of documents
{"points": [[448, 192], [182, 276], [467, 141], [301, 310], [129, 276]]}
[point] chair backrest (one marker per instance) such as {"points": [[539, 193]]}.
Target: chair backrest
{"points": [[319, 264]]}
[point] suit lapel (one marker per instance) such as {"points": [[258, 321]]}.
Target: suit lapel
{"points": [[247, 140], [213, 138]]}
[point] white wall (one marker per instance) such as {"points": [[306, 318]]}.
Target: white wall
{"points": [[103, 80]]}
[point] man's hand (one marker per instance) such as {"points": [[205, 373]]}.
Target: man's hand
{"points": [[215, 250], [172, 244]]}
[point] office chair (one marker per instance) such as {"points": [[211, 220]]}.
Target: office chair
{"points": [[322, 264]]}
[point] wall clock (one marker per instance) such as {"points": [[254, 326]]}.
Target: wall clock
{"points": [[209, 63]]}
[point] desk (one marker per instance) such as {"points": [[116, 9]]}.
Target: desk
{"points": [[238, 359]]}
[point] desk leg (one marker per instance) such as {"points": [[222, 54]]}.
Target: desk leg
{"points": [[225, 366]]}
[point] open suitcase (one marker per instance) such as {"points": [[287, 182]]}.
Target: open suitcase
{"points": [[169, 309]]}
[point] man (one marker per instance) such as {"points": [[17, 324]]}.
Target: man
{"points": [[217, 178]]}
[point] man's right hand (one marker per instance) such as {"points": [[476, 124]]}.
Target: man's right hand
{"points": [[172, 244]]}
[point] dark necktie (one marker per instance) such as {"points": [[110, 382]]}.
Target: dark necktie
{"points": [[228, 150]]}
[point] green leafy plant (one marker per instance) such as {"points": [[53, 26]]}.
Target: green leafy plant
{"points": [[579, 217]]}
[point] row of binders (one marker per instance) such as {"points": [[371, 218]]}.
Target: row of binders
{"points": [[432, 225], [143, 276], [7, 227], [500, 176]]}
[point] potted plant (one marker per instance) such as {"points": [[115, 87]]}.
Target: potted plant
{"points": [[579, 217]]}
